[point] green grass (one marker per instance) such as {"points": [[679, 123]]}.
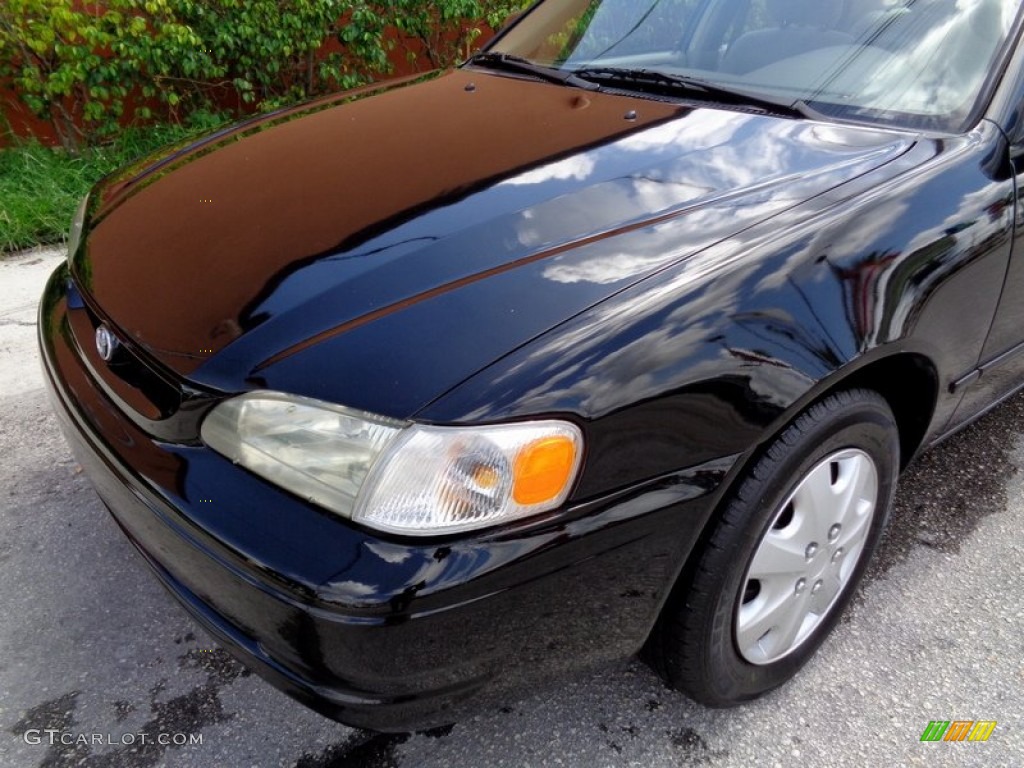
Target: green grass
{"points": [[40, 187]]}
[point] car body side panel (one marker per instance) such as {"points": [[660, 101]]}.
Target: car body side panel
{"points": [[713, 355], [1001, 369]]}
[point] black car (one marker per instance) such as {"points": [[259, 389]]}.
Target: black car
{"points": [[615, 338]]}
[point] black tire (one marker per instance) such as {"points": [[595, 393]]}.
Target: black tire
{"points": [[696, 643]]}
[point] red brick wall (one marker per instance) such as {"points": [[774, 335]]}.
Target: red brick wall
{"points": [[21, 120]]}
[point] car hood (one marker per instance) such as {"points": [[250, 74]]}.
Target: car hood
{"points": [[379, 247]]}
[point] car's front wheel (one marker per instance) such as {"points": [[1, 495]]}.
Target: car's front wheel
{"points": [[784, 555]]}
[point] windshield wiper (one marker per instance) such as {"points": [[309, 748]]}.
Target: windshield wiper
{"points": [[651, 80], [508, 62]]}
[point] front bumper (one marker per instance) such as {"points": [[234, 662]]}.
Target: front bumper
{"points": [[370, 630]]}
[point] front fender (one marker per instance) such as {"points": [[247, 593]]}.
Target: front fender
{"points": [[710, 358]]}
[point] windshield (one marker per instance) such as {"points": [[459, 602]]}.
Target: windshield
{"points": [[914, 63]]}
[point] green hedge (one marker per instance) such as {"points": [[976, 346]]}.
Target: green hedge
{"points": [[87, 68]]}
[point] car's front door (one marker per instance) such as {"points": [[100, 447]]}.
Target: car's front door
{"points": [[1001, 367]]}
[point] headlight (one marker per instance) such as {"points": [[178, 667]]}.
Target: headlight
{"points": [[317, 451], [77, 225], [404, 478]]}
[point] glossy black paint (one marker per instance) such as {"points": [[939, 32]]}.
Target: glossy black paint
{"points": [[376, 632], [679, 285], [750, 329]]}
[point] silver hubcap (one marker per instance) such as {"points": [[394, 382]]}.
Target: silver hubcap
{"points": [[806, 557]]}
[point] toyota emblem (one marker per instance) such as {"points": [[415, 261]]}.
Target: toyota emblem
{"points": [[106, 343]]}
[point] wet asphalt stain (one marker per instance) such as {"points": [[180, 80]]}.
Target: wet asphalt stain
{"points": [[364, 749], [218, 664], [439, 732], [694, 749], [949, 490], [186, 714], [629, 730], [58, 715], [122, 709]]}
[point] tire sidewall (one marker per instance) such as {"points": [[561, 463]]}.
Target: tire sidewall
{"points": [[865, 425]]}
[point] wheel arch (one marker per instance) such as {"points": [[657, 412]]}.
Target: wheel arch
{"points": [[909, 383]]}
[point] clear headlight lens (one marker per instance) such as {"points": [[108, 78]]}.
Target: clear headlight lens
{"points": [[404, 478]]}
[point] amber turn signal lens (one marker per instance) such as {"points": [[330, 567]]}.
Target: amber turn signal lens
{"points": [[543, 469]]}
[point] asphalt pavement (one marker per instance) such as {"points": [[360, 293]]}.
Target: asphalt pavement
{"points": [[99, 666]]}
